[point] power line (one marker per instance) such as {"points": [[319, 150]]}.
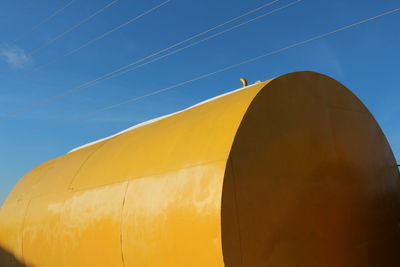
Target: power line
{"points": [[101, 36], [34, 28], [201, 33], [174, 45], [183, 41], [126, 69], [195, 36], [247, 61], [277, 51], [73, 28], [317, 37]]}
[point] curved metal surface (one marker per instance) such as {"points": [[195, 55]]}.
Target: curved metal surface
{"points": [[288, 172], [310, 181]]}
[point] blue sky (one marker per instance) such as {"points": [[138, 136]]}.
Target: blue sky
{"points": [[365, 58]]}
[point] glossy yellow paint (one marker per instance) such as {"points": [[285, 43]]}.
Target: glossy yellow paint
{"points": [[289, 172]]}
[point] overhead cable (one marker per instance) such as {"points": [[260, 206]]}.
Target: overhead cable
{"points": [[46, 20], [101, 36], [73, 28], [274, 52], [126, 68]]}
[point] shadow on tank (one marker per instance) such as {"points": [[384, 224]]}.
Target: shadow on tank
{"points": [[7, 259]]}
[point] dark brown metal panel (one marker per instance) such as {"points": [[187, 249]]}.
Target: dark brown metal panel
{"points": [[311, 181]]}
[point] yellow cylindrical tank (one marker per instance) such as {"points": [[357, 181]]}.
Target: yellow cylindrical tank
{"points": [[293, 171]]}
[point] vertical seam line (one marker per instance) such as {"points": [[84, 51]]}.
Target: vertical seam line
{"points": [[83, 163], [121, 224]]}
